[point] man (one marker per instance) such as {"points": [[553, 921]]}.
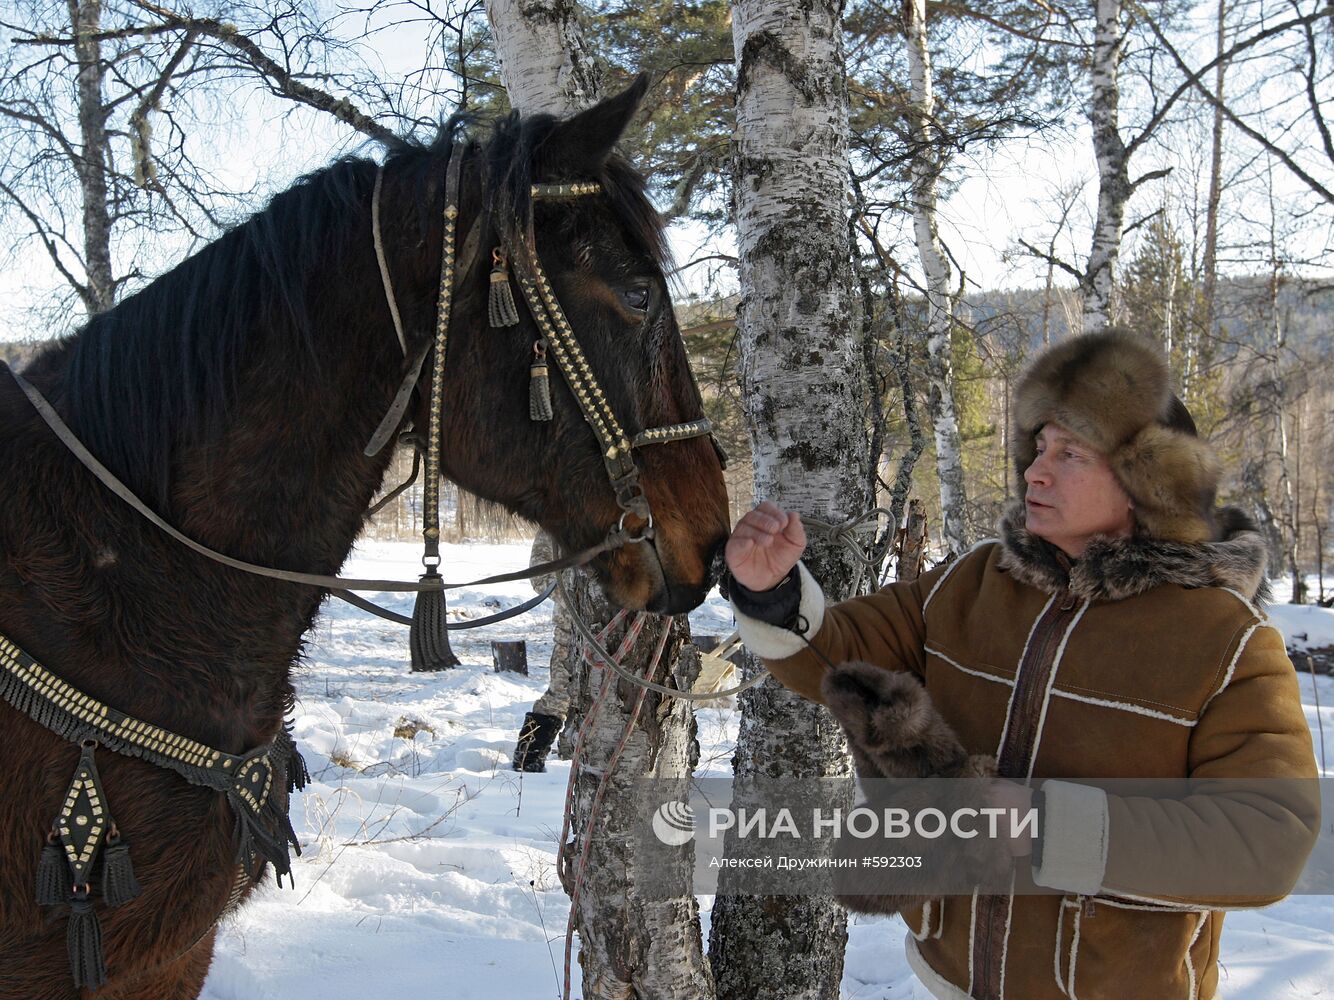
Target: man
{"points": [[1111, 632]]}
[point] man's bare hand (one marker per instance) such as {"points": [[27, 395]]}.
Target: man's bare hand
{"points": [[764, 546]]}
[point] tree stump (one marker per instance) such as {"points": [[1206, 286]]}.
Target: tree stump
{"points": [[706, 643], [510, 657]]}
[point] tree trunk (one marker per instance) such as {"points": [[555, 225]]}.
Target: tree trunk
{"points": [[1113, 174], [544, 60], [925, 167], [1257, 492], [99, 291], [1211, 210], [629, 946], [803, 386], [1277, 394]]}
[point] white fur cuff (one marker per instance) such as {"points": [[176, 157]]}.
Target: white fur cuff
{"points": [[1074, 838], [769, 642]]}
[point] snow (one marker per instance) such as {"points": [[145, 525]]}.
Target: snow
{"points": [[428, 867], [1304, 626]]}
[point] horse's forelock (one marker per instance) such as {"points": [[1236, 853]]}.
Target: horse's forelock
{"points": [[514, 162]]}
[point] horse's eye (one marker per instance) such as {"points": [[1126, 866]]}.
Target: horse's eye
{"points": [[636, 296]]}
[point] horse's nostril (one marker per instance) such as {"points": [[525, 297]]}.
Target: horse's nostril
{"points": [[717, 565]]}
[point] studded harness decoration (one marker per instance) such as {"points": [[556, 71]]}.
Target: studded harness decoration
{"points": [[257, 785]]}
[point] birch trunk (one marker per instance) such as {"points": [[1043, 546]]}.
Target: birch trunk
{"points": [[99, 291], [544, 60], [803, 382], [1113, 173], [925, 167], [632, 947], [629, 946], [1277, 393], [1211, 207]]}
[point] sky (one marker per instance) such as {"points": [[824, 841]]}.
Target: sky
{"points": [[1011, 192]]}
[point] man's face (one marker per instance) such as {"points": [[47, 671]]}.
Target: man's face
{"points": [[1073, 494]]}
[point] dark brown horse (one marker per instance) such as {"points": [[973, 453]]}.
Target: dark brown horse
{"points": [[235, 394]]}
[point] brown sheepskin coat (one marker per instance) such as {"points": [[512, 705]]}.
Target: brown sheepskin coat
{"points": [[1143, 659]]}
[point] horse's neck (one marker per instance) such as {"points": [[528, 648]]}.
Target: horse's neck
{"points": [[287, 482], [284, 484]]}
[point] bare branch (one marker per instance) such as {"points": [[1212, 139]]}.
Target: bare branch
{"points": [[281, 80], [1279, 154], [145, 172], [39, 227], [1053, 260], [1139, 222], [1152, 175], [1194, 77]]}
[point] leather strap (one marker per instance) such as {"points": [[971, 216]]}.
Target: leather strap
{"points": [[615, 538], [394, 616]]}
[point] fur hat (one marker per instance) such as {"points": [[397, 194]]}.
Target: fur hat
{"points": [[1113, 389]]}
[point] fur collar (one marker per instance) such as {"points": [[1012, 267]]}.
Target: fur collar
{"points": [[1113, 569]]}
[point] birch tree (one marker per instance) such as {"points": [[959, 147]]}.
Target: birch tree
{"points": [[1113, 165], [925, 172], [630, 945], [544, 61], [803, 387]]}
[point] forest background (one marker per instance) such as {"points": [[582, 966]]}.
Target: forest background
{"points": [[130, 132]]}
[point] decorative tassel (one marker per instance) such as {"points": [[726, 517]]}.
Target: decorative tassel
{"points": [[294, 765], [53, 881], [84, 941], [119, 885], [539, 388], [428, 639], [500, 307]]}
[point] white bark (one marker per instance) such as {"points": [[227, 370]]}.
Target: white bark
{"points": [[630, 946], [1277, 395], [632, 943], [803, 387], [1211, 207], [1113, 176], [925, 169], [544, 61], [99, 291]]}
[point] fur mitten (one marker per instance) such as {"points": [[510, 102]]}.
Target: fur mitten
{"points": [[895, 732]]}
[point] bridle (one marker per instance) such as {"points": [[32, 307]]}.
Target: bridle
{"points": [[557, 337]]}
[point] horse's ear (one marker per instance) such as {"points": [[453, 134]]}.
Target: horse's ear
{"points": [[580, 145]]}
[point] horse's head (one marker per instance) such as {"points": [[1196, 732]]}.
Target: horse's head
{"points": [[603, 253]]}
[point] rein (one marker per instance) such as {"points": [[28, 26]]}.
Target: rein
{"points": [[112, 483]]}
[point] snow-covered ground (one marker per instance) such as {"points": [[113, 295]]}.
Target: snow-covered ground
{"points": [[429, 867]]}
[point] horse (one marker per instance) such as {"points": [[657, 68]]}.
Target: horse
{"points": [[235, 395]]}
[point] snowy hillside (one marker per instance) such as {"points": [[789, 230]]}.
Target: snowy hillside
{"points": [[429, 867]]}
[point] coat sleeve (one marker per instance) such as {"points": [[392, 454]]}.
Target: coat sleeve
{"points": [[886, 628], [1236, 835]]}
